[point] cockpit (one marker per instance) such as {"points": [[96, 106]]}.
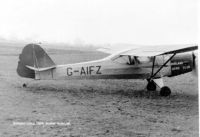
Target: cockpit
{"points": [[131, 60]]}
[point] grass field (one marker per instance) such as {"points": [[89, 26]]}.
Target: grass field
{"points": [[93, 107]]}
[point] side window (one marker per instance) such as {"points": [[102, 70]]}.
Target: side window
{"points": [[132, 60], [143, 59], [129, 60]]}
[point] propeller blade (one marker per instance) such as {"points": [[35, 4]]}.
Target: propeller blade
{"points": [[195, 67]]}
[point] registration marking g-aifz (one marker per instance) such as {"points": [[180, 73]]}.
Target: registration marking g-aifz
{"points": [[88, 70]]}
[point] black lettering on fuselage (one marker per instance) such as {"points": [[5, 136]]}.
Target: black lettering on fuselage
{"points": [[83, 71], [98, 70], [87, 71], [90, 69], [69, 71]]}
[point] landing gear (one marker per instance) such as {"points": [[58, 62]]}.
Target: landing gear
{"points": [[151, 86], [155, 80], [165, 91], [24, 85]]}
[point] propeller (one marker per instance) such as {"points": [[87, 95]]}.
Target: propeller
{"points": [[195, 67]]}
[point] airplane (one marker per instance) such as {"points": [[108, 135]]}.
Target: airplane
{"points": [[150, 63]]}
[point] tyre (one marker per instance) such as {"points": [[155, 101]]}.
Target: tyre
{"points": [[151, 86], [165, 91]]}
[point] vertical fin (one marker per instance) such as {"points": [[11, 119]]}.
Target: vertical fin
{"points": [[33, 55]]}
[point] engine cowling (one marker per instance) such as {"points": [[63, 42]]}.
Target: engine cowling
{"points": [[181, 63]]}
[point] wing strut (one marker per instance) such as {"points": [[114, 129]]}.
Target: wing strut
{"points": [[154, 58], [154, 74]]}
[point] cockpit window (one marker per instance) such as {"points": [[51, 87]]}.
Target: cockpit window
{"points": [[144, 59], [132, 60]]}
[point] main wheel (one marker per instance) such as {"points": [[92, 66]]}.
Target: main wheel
{"points": [[151, 86], [165, 91]]}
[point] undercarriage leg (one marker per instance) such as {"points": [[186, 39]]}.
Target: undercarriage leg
{"points": [[153, 82]]}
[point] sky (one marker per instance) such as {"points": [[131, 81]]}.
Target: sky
{"points": [[100, 21]]}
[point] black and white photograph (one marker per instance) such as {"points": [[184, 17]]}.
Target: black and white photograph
{"points": [[99, 68]]}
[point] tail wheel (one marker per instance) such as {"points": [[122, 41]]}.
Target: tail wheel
{"points": [[24, 85], [151, 86], [165, 91]]}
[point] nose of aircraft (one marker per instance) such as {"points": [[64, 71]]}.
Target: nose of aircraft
{"points": [[195, 63]]}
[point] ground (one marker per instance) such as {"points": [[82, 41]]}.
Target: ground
{"points": [[93, 107]]}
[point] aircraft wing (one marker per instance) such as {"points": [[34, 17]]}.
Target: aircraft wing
{"points": [[159, 50], [117, 48], [106, 50]]}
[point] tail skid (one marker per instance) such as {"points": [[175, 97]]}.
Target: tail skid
{"points": [[33, 60]]}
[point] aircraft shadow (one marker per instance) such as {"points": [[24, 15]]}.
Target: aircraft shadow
{"points": [[93, 91]]}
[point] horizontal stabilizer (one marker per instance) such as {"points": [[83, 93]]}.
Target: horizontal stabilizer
{"points": [[40, 69]]}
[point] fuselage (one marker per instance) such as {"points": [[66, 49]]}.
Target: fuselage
{"points": [[121, 67]]}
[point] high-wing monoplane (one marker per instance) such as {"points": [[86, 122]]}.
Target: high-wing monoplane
{"points": [[150, 63]]}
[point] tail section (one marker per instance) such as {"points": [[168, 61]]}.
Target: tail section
{"points": [[33, 60]]}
